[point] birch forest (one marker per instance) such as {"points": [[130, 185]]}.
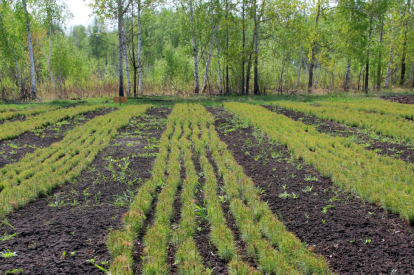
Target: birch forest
{"points": [[244, 47]]}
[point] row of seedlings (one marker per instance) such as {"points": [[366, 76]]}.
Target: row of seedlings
{"points": [[121, 242], [387, 124], [377, 179], [276, 249], [39, 172], [221, 235], [187, 257], [13, 129], [375, 106], [156, 239], [26, 113]]}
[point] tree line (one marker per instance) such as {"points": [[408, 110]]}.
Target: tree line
{"points": [[138, 47]]}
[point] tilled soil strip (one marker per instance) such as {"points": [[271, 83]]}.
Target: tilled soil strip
{"points": [[395, 150], [14, 149], [61, 233], [409, 99], [354, 237]]}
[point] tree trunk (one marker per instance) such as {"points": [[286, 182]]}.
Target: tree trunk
{"points": [[125, 50], [120, 49], [366, 86], [219, 66], [31, 55], [256, 90], [388, 76], [243, 84], [140, 90], [404, 49], [378, 86], [134, 62], [300, 67], [249, 66], [347, 76], [227, 48], [195, 51], [48, 61], [313, 51], [403, 58], [359, 78], [208, 62], [280, 88]]}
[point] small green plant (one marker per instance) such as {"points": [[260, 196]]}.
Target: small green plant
{"points": [[201, 212], [14, 271], [307, 189], [8, 254], [310, 178], [86, 194], [325, 209], [7, 237], [92, 261], [367, 241]]}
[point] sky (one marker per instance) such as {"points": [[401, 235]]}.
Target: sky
{"points": [[80, 11]]}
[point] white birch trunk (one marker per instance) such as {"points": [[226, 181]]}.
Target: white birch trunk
{"points": [[29, 42], [208, 62], [48, 62], [388, 76], [195, 51], [124, 47], [120, 55], [219, 67], [140, 90], [300, 67]]}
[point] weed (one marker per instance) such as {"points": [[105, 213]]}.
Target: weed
{"points": [[8, 254], [6, 237]]}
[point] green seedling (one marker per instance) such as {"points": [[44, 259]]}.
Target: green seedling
{"points": [[325, 209], [92, 261], [8, 254], [14, 271], [201, 212], [7, 237], [6, 222]]}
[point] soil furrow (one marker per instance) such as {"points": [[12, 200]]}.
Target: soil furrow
{"points": [[354, 237], [61, 233], [15, 149], [395, 150], [409, 99]]}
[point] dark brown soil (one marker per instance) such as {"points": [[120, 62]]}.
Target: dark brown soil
{"points": [[400, 151], [354, 237], [58, 234], [14, 149], [409, 99]]}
